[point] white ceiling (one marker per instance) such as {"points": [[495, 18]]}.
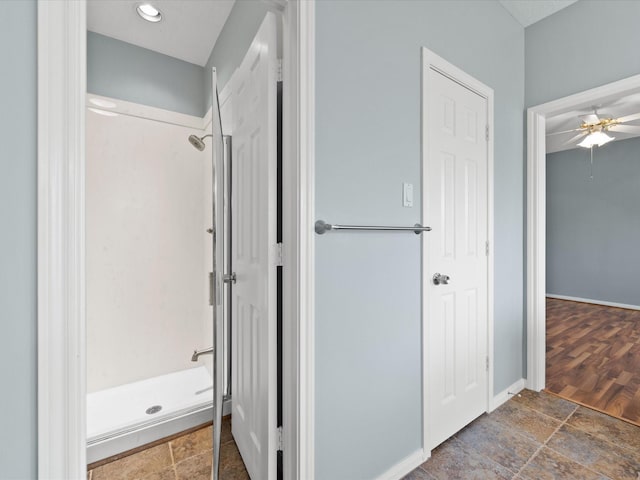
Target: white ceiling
{"points": [[607, 108], [188, 30], [528, 12]]}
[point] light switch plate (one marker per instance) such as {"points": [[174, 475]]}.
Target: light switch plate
{"points": [[407, 194]]}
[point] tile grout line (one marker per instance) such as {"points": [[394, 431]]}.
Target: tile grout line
{"points": [[173, 461], [602, 475], [517, 432], [544, 444], [564, 422], [589, 434], [469, 446], [604, 439], [547, 415], [563, 457], [540, 412], [172, 457]]}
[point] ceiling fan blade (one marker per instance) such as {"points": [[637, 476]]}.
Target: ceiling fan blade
{"points": [[573, 139], [629, 118], [625, 128], [591, 118], [566, 131]]}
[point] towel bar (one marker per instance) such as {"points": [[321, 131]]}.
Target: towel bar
{"points": [[322, 227]]}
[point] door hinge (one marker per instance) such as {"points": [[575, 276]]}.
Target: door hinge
{"points": [[486, 248], [487, 363], [279, 255], [486, 132], [279, 70], [279, 439], [211, 289]]}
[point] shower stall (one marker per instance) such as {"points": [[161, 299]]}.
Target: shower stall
{"points": [[157, 327]]}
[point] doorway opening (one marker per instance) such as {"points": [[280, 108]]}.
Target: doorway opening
{"points": [[575, 308], [591, 233], [162, 219]]}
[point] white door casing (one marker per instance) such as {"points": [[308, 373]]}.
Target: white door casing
{"points": [[456, 206], [536, 212], [253, 201]]}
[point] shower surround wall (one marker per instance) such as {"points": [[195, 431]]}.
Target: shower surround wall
{"points": [[124, 71], [146, 306]]}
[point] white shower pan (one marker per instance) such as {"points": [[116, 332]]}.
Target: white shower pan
{"points": [[134, 414]]}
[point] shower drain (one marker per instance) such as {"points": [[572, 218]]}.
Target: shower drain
{"points": [[154, 409]]}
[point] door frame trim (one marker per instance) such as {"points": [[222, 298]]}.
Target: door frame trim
{"points": [[536, 215], [61, 240], [61, 278], [432, 60], [299, 240]]}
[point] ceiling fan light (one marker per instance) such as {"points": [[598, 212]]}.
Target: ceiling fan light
{"points": [[598, 138], [587, 142]]}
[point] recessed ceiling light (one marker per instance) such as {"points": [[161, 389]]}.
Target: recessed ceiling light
{"points": [[149, 12]]}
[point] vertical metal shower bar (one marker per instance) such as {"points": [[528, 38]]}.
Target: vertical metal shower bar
{"points": [[228, 267]]}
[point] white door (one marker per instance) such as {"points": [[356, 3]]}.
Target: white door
{"points": [[455, 170], [253, 203]]}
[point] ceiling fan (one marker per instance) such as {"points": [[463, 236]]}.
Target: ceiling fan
{"points": [[594, 128]]}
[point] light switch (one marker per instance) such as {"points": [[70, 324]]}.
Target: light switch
{"points": [[407, 194]]}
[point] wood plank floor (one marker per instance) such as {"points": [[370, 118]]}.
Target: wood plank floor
{"points": [[593, 356]]}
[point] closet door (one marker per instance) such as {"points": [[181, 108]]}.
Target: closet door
{"points": [[456, 258]]}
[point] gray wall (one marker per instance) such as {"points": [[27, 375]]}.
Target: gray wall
{"points": [[368, 117], [368, 324], [121, 70], [18, 435], [561, 50], [593, 226], [233, 42]]}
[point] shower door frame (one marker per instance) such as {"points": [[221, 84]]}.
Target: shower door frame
{"points": [[61, 341]]}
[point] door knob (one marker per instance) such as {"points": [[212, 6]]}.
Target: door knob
{"points": [[229, 278], [439, 279]]}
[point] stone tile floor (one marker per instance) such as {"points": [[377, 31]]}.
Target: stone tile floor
{"points": [[538, 436], [188, 457]]}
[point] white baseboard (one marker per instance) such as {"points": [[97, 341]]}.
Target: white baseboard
{"points": [[506, 394], [406, 465], [417, 458], [402, 468], [595, 302]]}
